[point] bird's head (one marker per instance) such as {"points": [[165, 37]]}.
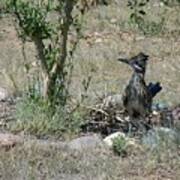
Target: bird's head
{"points": [[138, 63]]}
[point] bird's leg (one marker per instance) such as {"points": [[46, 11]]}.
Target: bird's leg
{"points": [[131, 125], [129, 128]]}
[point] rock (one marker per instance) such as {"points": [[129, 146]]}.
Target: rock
{"points": [[109, 139], [140, 38], [4, 94], [85, 143], [113, 20], [99, 40], [176, 113], [154, 138], [125, 146], [9, 140]]}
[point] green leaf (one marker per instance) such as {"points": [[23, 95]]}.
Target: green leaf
{"points": [[142, 12], [142, 4], [132, 15], [129, 3]]}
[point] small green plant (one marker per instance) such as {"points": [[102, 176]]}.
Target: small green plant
{"points": [[120, 146], [137, 11], [35, 116], [32, 19], [138, 18], [152, 28]]}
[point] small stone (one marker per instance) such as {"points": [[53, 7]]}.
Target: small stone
{"points": [[98, 40], [113, 20], [34, 64], [154, 138], [140, 38], [155, 113], [161, 4], [9, 140], [176, 113], [4, 94]]}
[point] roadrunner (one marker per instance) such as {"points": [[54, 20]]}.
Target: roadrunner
{"points": [[137, 98]]}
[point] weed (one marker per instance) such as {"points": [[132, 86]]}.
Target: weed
{"points": [[120, 146], [137, 11], [138, 18], [152, 28], [36, 116]]}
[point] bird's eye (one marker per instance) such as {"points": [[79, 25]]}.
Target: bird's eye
{"points": [[136, 63]]}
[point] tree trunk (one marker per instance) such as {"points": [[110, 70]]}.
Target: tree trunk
{"points": [[57, 71], [45, 74]]}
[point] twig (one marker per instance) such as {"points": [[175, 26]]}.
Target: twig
{"points": [[96, 109]]}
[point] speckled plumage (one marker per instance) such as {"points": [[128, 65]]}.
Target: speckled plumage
{"points": [[137, 99]]}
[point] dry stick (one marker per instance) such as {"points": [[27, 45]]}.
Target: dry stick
{"points": [[95, 109]]}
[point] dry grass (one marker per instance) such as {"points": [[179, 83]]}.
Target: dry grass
{"points": [[33, 160], [107, 33]]}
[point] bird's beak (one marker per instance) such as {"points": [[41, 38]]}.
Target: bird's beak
{"points": [[123, 60]]}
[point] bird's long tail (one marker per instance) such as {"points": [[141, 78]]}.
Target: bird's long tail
{"points": [[154, 88]]}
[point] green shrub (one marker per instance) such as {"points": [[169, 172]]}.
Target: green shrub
{"points": [[120, 146], [138, 18], [151, 27], [37, 117]]}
